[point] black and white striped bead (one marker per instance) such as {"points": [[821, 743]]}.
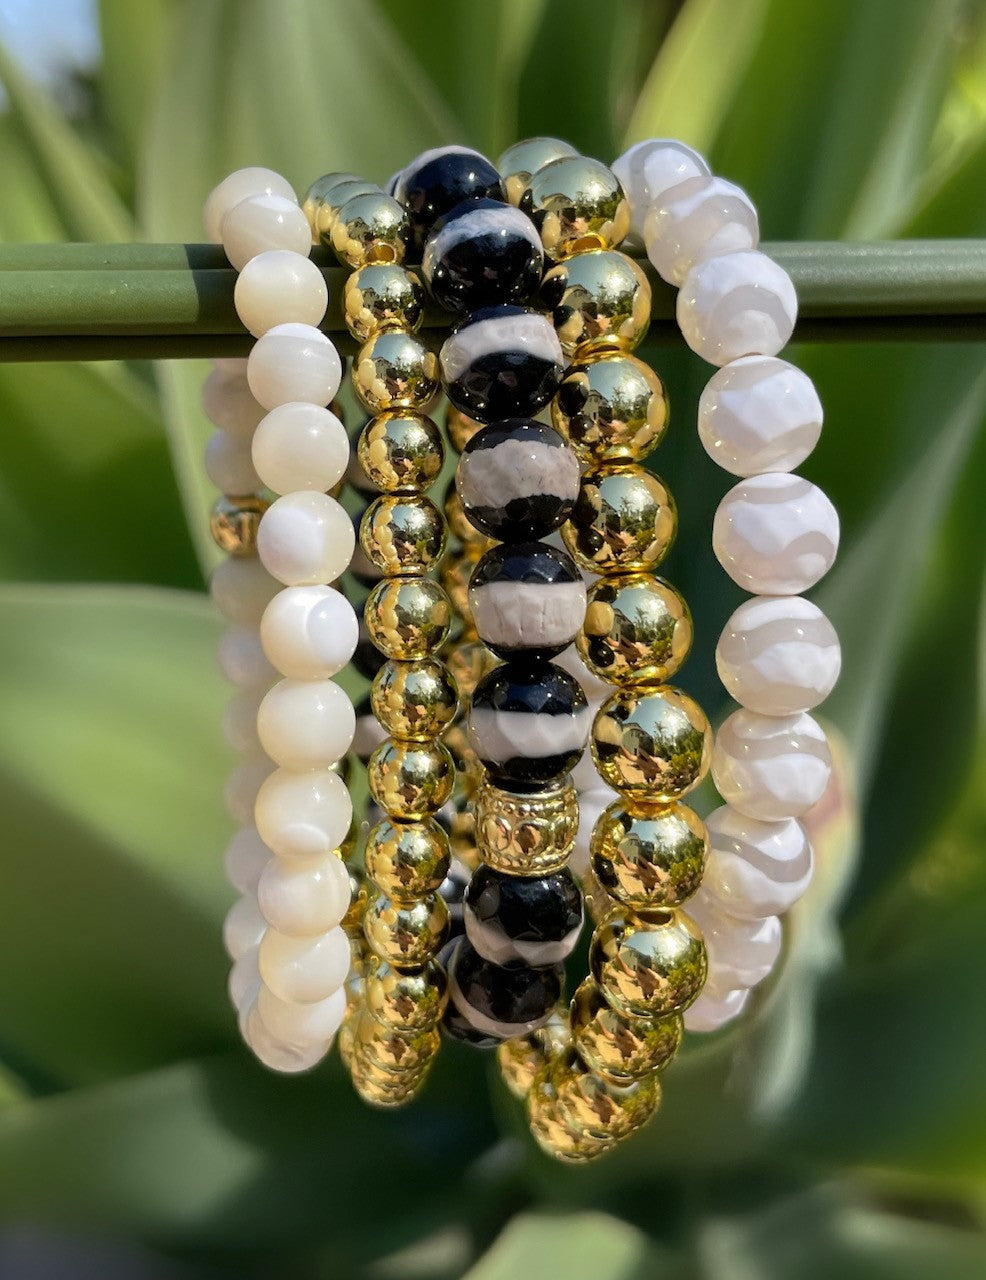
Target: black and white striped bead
{"points": [[437, 180], [527, 598], [499, 1001], [481, 253], [501, 362], [534, 920]]}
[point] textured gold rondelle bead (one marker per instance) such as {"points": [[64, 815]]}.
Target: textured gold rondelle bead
{"points": [[406, 999], [637, 630], [552, 1130], [616, 1047], [317, 205], [394, 370], [371, 227], [525, 834], [598, 301], [411, 780], [655, 859], [408, 617], [521, 161], [406, 934], [522, 1058], [576, 204], [234, 523], [610, 408], [414, 700], [382, 295], [407, 860], [460, 427], [405, 1053], [652, 746], [597, 1108], [402, 534], [401, 452], [648, 964], [624, 521]]}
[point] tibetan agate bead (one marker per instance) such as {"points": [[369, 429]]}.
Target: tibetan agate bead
{"points": [[501, 1001], [437, 180], [481, 253], [501, 362], [527, 598], [534, 920]]}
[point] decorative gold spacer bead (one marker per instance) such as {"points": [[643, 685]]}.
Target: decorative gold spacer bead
{"points": [[524, 834], [234, 523]]}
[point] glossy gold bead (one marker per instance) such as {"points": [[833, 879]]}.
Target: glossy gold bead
{"points": [[652, 746], [411, 780], [618, 1048], [402, 534], [526, 834], [394, 370], [454, 574], [655, 859], [468, 661], [598, 903], [576, 204], [406, 1053], [382, 295], [648, 964], [624, 521], [522, 1058], [637, 630], [460, 428], [406, 999], [401, 452], [552, 1130], [408, 617], [379, 1088], [521, 161], [347, 1035], [317, 204], [598, 301], [371, 227], [598, 1108], [352, 921], [234, 523], [406, 934], [414, 700], [610, 408], [407, 860]]}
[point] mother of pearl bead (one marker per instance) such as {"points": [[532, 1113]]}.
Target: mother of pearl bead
{"points": [[770, 767], [650, 169], [245, 858], [309, 633], [302, 1025], [304, 969], [759, 414], [238, 186], [303, 815], [698, 219], [739, 304], [755, 869], [778, 655], [241, 589], [304, 896], [264, 222], [275, 1054], [293, 362], [228, 402], [300, 446], [305, 539], [306, 724], [279, 287], [243, 927], [775, 534]]}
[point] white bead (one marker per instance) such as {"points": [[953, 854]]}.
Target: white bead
{"points": [[304, 897], [771, 767], [755, 869], [300, 446], [240, 720], [712, 1010], [303, 815], [739, 304], [238, 186], [232, 366], [293, 362], [244, 860], [243, 927], [242, 658], [229, 404], [775, 534], [241, 589], [649, 169], [778, 655], [369, 734], [305, 539], [304, 969], [741, 952], [229, 464], [242, 786], [277, 288], [244, 979], [758, 414], [309, 633], [306, 724], [261, 223], [698, 219], [288, 1059], [302, 1025]]}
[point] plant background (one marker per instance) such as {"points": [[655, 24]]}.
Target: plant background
{"points": [[841, 1129]]}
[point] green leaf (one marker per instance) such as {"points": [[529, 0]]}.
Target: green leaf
{"points": [[135, 39], [584, 1246]]}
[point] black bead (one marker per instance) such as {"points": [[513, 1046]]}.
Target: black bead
{"points": [[502, 1000], [527, 598], [501, 362], [436, 181], [456, 1027], [533, 920], [481, 253], [518, 480]]}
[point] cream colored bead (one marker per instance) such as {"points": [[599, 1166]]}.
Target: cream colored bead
{"points": [[242, 658], [712, 1010], [303, 897], [241, 589], [243, 927], [278, 288], [302, 1025], [228, 402], [775, 534], [698, 219], [759, 414], [277, 1056], [242, 786], [309, 633], [231, 366], [244, 979], [778, 655], [306, 724], [304, 969], [303, 815], [300, 446], [741, 952], [229, 464], [293, 362], [305, 539], [240, 720], [739, 304], [755, 869], [649, 170], [771, 767], [254, 181], [245, 858], [261, 223]]}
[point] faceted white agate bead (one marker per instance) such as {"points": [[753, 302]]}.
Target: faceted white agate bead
{"points": [[254, 181], [305, 539], [303, 897], [261, 223], [778, 655], [242, 658], [245, 858], [303, 815], [293, 362], [279, 287], [775, 534], [242, 786], [712, 1010], [698, 219], [306, 724], [771, 767], [739, 304], [302, 1025], [241, 589], [229, 464], [288, 1059], [758, 414], [228, 402], [243, 927], [755, 869], [244, 979], [741, 952], [309, 633], [300, 446], [304, 969], [649, 169], [240, 720]]}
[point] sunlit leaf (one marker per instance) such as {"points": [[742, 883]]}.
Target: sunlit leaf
{"points": [[586, 1246]]}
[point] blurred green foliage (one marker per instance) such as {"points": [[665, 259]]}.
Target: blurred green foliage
{"points": [[841, 1129]]}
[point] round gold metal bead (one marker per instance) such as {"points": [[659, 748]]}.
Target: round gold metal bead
{"points": [[405, 1053], [598, 903], [234, 523], [648, 964], [655, 859], [468, 661], [347, 1035], [411, 780], [406, 999], [598, 301], [371, 227], [414, 700], [382, 1089], [382, 295], [521, 161], [352, 921], [460, 428], [610, 408], [317, 204], [408, 618], [401, 452], [407, 860], [552, 1130], [525, 834], [652, 746], [406, 934], [618, 1048], [598, 1108], [403, 534], [637, 630], [522, 1058], [576, 204], [394, 370], [624, 521]]}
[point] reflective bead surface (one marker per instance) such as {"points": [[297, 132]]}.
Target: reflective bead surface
{"points": [[617, 1047], [535, 920], [401, 452], [408, 618], [653, 746], [526, 834], [637, 630], [407, 860], [576, 204], [460, 427], [610, 408], [415, 700], [439, 179], [406, 999], [501, 1001], [652, 860], [523, 159], [527, 597], [394, 370], [403, 534], [316, 204], [648, 964], [403, 1053], [481, 253], [234, 523], [501, 362], [597, 1107], [599, 300], [623, 521], [406, 935], [411, 780], [521, 1059], [382, 296], [371, 227]]}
